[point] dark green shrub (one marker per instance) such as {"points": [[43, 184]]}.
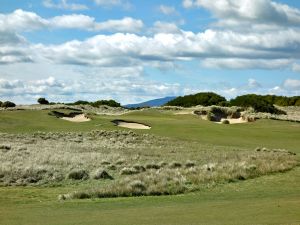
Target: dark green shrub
{"points": [[205, 99], [8, 104], [257, 102], [43, 101], [224, 104], [111, 103]]}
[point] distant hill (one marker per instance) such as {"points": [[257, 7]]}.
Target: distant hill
{"points": [[151, 103]]}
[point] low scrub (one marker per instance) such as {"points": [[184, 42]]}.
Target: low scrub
{"points": [[102, 174], [177, 179], [78, 175]]}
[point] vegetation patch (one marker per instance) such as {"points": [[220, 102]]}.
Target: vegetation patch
{"points": [[177, 179], [204, 99]]}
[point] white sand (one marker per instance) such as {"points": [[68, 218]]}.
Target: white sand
{"points": [[234, 121], [183, 112], [132, 125], [77, 119], [231, 121]]}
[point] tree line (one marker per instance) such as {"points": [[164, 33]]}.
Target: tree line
{"points": [[260, 103]]}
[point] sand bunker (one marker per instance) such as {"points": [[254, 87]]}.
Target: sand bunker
{"points": [[184, 113], [131, 125], [77, 119], [234, 121]]}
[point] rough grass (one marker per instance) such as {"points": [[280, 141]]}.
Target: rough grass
{"points": [[230, 167], [125, 157]]}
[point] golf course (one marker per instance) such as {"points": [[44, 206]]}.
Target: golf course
{"points": [[35, 140]]}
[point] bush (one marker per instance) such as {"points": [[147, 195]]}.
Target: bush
{"points": [[210, 116], [175, 165], [78, 175], [225, 122], [102, 174], [111, 167], [139, 168], [224, 104], [137, 187], [190, 164], [111, 103], [152, 166], [205, 99], [258, 102], [43, 101], [8, 104], [129, 171]]}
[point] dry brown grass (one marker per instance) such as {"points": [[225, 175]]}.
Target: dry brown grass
{"points": [[131, 164]]}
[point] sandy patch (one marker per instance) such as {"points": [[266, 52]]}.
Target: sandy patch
{"points": [[231, 121], [77, 119], [184, 113], [131, 125]]}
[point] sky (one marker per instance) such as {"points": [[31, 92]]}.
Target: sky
{"points": [[136, 50]]}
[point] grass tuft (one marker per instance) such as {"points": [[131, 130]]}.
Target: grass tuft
{"points": [[78, 175]]}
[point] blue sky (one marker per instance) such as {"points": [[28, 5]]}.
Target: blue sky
{"points": [[136, 50]]}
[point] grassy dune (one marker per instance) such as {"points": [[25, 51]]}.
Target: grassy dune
{"points": [[258, 199]]}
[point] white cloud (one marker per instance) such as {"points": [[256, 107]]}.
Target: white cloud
{"points": [[13, 48], [165, 27], [218, 48], [253, 84], [73, 21], [167, 10], [20, 21], [78, 21], [126, 24], [64, 4], [292, 84], [188, 3], [113, 3], [296, 67], [254, 11], [239, 63], [91, 89]]}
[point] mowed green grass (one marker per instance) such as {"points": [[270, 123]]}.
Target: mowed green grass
{"points": [[273, 199], [263, 133]]}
